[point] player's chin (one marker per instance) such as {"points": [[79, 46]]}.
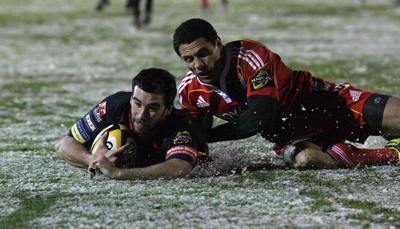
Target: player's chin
{"points": [[141, 129], [205, 79]]}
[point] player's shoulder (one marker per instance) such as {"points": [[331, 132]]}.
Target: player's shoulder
{"points": [[246, 44], [119, 97], [249, 55], [117, 102]]}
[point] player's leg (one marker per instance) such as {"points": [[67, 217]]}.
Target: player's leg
{"points": [[307, 155], [381, 114], [204, 5], [128, 5], [135, 5], [349, 156], [101, 4], [312, 157], [391, 118], [224, 4], [148, 11]]}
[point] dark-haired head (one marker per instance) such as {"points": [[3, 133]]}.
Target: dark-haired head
{"points": [[192, 30], [157, 81]]}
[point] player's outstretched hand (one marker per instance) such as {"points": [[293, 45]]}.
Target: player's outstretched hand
{"points": [[112, 154], [104, 159], [104, 165]]}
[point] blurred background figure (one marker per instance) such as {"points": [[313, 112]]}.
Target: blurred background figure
{"points": [[134, 7], [138, 22], [101, 4], [205, 6]]}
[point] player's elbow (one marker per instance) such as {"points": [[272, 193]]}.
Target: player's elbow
{"points": [[60, 148], [262, 124]]}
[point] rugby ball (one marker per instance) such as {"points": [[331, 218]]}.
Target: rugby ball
{"points": [[118, 135]]}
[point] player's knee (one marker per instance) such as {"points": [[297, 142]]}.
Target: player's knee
{"points": [[304, 160], [314, 159], [391, 119], [298, 158]]}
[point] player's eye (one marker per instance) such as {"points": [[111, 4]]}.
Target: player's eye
{"points": [[153, 109], [203, 53], [188, 59]]}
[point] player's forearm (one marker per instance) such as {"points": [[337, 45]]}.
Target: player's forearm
{"points": [[171, 169], [230, 131], [259, 116], [73, 152]]}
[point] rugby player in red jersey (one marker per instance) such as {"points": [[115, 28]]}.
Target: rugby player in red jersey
{"points": [[204, 5], [165, 143], [310, 120]]}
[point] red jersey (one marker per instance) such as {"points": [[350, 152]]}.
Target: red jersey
{"points": [[306, 104]]}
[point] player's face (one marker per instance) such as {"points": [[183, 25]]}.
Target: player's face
{"points": [[148, 111], [203, 59]]}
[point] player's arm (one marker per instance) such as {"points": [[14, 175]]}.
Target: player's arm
{"points": [[73, 152], [181, 156], [170, 169], [74, 147], [76, 154], [259, 115]]}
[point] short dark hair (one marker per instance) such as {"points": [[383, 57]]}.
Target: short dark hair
{"points": [[157, 81], [192, 30]]}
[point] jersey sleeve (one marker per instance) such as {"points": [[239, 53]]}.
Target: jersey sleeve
{"points": [[182, 145], [99, 117], [263, 70]]}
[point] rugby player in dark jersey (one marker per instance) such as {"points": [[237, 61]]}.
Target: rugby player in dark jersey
{"points": [[166, 145], [248, 85]]}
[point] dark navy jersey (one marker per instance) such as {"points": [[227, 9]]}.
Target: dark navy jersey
{"points": [[174, 138]]}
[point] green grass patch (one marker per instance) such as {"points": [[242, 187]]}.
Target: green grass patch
{"points": [[30, 208], [371, 212]]}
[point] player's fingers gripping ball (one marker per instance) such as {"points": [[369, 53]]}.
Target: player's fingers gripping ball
{"points": [[118, 136]]}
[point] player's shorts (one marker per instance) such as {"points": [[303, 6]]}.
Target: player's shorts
{"points": [[355, 99], [367, 107]]}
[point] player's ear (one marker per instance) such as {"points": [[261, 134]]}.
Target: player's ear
{"points": [[168, 110], [218, 42]]}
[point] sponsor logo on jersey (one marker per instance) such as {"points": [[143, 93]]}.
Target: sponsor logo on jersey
{"points": [[102, 108], [90, 124], [100, 111], [377, 100], [355, 95], [201, 102], [79, 132], [182, 137], [262, 80], [186, 150], [96, 114]]}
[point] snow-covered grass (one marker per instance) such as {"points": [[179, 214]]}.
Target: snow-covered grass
{"points": [[59, 58]]}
